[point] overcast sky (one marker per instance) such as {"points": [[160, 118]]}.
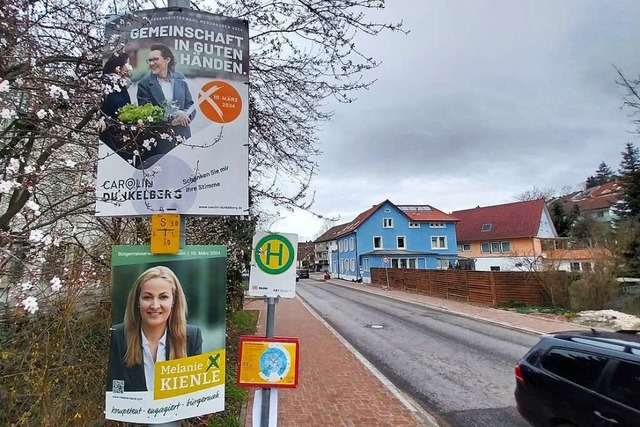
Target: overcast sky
{"points": [[481, 101]]}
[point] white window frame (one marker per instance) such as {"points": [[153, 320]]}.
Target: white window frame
{"points": [[414, 261], [413, 224], [351, 243], [438, 240], [387, 222], [442, 264], [404, 242], [482, 251], [502, 245], [437, 225], [366, 264], [466, 247], [374, 242], [340, 246], [352, 264]]}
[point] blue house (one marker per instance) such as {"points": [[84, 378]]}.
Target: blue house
{"points": [[393, 236]]}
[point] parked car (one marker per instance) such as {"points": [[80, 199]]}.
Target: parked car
{"points": [[581, 379], [302, 273]]}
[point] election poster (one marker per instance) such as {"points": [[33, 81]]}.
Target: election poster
{"points": [[174, 126], [167, 353]]}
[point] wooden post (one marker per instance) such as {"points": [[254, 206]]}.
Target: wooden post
{"points": [[494, 293]]}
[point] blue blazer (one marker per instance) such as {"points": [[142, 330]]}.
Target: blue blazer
{"points": [[134, 379], [150, 91]]}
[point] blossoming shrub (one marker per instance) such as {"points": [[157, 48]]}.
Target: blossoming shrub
{"points": [[53, 349]]}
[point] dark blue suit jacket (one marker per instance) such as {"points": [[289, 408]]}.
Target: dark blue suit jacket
{"points": [[150, 91], [134, 379]]}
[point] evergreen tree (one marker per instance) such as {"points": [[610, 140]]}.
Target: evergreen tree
{"points": [[563, 221], [629, 176], [604, 174]]}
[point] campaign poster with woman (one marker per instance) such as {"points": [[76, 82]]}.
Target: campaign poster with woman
{"points": [[174, 127], [167, 353]]}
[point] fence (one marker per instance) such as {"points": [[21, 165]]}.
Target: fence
{"points": [[482, 287]]}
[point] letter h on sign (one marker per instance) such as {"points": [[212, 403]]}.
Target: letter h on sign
{"points": [[278, 254]]}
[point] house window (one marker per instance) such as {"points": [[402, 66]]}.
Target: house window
{"points": [[575, 266], [486, 227], [495, 247], [341, 266], [366, 264], [412, 263], [340, 246], [414, 224], [506, 247], [438, 242], [437, 225], [401, 242], [394, 263], [352, 264], [351, 243], [485, 247], [387, 222], [495, 268], [442, 264], [377, 242], [466, 247], [403, 263]]}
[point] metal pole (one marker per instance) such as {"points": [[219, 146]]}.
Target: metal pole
{"points": [[266, 392]]}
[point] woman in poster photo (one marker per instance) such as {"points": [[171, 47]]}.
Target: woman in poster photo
{"points": [[167, 88], [154, 330]]}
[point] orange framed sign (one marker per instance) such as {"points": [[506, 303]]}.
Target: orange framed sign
{"points": [[268, 362]]}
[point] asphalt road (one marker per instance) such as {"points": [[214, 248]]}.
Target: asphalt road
{"points": [[460, 370]]}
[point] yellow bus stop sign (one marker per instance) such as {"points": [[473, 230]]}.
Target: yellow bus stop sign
{"points": [[274, 254]]}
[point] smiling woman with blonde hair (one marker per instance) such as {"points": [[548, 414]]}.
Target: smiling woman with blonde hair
{"points": [[155, 329]]}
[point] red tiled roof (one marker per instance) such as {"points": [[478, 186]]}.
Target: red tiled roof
{"points": [[575, 254], [425, 213], [331, 233], [511, 220], [601, 197], [360, 219], [305, 250]]}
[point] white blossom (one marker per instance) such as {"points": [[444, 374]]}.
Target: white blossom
{"points": [[7, 186], [56, 284], [29, 169], [5, 113], [4, 86], [57, 91], [18, 81], [69, 163], [30, 304], [41, 114], [14, 165], [36, 236], [26, 286], [33, 206]]}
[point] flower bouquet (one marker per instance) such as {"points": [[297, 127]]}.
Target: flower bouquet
{"points": [[141, 136]]}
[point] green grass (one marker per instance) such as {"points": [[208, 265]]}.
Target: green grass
{"points": [[535, 309]]}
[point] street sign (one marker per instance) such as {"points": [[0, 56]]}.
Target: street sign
{"points": [[385, 260], [273, 264], [165, 234]]}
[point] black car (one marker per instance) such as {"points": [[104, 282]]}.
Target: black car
{"points": [[581, 379], [303, 273]]}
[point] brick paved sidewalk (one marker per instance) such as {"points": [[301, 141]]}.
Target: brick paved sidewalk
{"points": [[334, 387]]}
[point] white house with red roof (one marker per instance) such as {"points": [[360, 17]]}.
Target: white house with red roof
{"points": [[597, 203], [393, 236], [504, 237]]}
